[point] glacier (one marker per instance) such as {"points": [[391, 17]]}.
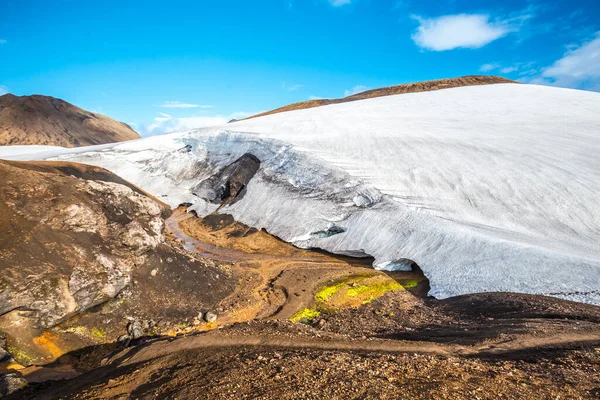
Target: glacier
{"points": [[486, 188]]}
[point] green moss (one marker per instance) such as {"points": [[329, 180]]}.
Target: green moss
{"points": [[20, 356], [351, 292], [98, 333], [371, 291], [410, 283], [327, 292], [305, 315]]}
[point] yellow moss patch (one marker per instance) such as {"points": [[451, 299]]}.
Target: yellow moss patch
{"points": [[327, 292], [306, 314], [368, 292], [98, 333], [22, 357], [357, 290], [410, 283]]}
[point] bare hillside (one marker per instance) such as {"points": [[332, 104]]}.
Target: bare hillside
{"points": [[392, 90], [44, 120]]}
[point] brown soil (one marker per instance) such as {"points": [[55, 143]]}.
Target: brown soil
{"points": [[42, 256], [44, 120], [276, 278], [392, 90], [283, 360], [80, 171], [399, 344]]}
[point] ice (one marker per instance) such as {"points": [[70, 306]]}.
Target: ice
{"points": [[21, 151], [486, 188]]}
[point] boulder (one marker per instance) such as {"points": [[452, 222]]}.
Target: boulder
{"points": [[135, 329], [10, 383], [210, 317]]}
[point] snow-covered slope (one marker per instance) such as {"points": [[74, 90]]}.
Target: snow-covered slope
{"points": [[488, 188]]}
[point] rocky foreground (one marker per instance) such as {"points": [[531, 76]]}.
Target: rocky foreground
{"points": [[107, 293]]}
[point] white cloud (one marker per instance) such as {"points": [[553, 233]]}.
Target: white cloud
{"points": [[355, 90], [489, 67], [577, 69], [3, 90], [525, 68], [2, 41], [580, 63], [166, 123], [338, 3], [178, 104], [470, 31], [291, 88]]}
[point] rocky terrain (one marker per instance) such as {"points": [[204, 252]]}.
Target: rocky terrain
{"points": [[282, 322], [44, 120], [77, 238], [530, 348], [416, 87], [107, 292]]}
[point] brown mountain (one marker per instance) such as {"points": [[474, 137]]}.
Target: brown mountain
{"points": [[45, 120], [425, 86]]}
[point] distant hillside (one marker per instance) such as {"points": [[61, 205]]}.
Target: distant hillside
{"points": [[44, 120], [391, 90]]}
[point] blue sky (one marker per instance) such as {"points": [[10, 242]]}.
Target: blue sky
{"points": [[164, 66]]}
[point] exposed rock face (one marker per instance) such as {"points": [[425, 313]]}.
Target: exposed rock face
{"points": [[105, 228], [10, 383], [81, 253], [3, 353], [44, 120], [228, 184]]}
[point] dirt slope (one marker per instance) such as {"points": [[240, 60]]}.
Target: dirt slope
{"points": [[538, 351], [75, 238], [425, 86], [368, 335], [44, 120]]}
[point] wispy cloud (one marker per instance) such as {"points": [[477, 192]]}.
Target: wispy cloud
{"points": [[578, 68], [508, 70], [489, 67], [3, 90], [469, 31], [2, 41], [355, 90], [178, 104], [519, 66], [291, 87], [165, 123], [338, 3]]}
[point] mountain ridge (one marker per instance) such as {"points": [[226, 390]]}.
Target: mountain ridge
{"points": [[414, 87], [46, 120]]}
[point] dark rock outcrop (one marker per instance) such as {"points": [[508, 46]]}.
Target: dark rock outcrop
{"points": [[228, 185]]}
